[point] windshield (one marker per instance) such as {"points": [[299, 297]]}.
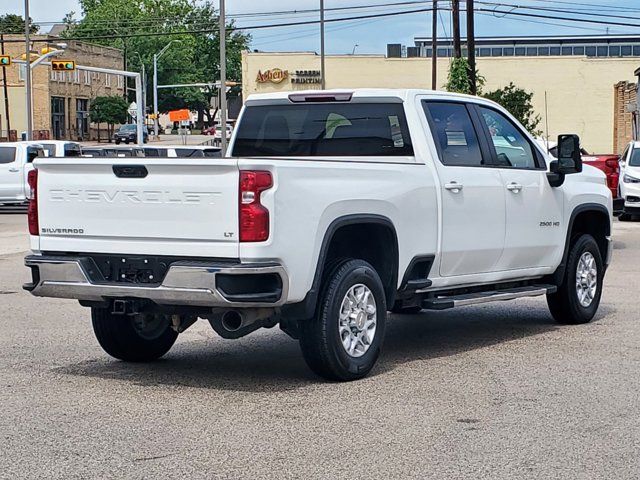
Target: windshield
{"points": [[128, 128], [331, 129], [634, 161]]}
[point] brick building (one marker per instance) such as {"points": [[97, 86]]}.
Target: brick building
{"points": [[625, 114], [61, 100]]}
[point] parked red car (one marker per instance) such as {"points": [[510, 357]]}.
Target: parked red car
{"points": [[209, 131], [609, 164]]}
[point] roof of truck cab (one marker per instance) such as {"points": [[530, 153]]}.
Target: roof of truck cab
{"points": [[362, 93]]}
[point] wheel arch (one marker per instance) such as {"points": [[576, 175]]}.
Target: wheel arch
{"points": [[590, 218], [386, 264]]}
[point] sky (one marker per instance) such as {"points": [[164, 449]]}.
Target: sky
{"points": [[372, 35]]}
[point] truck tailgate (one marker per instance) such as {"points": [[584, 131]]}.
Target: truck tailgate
{"points": [[185, 207]]}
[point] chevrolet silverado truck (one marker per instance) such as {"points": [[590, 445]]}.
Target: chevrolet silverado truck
{"points": [[15, 163], [330, 209]]}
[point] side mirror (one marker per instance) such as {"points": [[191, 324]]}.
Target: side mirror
{"points": [[569, 155]]}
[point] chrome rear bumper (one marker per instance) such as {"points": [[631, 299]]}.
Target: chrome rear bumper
{"points": [[185, 283]]}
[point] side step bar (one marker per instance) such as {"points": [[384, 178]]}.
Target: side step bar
{"points": [[450, 301]]}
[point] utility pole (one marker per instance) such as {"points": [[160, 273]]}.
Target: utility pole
{"points": [[6, 92], [455, 14], [471, 47], [223, 81], [27, 73], [434, 46], [322, 70]]}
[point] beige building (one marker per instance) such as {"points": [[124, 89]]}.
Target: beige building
{"points": [[579, 89], [61, 100]]}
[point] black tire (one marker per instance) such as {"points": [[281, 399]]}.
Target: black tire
{"points": [[624, 217], [119, 337], [564, 304], [320, 338], [117, 142]]}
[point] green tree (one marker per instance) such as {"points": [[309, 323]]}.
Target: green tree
{"points": [[11, 23], [194, 59], [458, 77], [110, 109], [518, 102]]}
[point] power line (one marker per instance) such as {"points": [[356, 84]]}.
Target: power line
{"points": [[249, 27]]}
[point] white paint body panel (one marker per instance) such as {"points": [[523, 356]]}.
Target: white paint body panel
{"points": [[483, 236], [13, 175]]}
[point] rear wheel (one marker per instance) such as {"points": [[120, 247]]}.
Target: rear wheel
{"points": [[139, 338], [343, 341], [577, 300]]}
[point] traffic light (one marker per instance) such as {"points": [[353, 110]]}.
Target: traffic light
{"points": [[63, 65], [5, 60]]}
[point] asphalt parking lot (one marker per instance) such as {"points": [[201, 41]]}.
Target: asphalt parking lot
{"points": [[488, 392]]}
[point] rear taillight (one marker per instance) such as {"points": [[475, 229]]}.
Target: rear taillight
{"points": [[612, 163], [32, 212], [254, 217]]}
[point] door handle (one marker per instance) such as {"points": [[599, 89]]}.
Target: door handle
{"points": [[454, 187], [14, 170], [514, 187]]}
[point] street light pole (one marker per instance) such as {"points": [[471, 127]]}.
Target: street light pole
{"points": [[223, 80], [322, 69], [156, 57], [27, 74], [155, 95]]}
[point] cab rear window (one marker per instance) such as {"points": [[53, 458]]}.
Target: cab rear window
{"points": [[331, 129]]}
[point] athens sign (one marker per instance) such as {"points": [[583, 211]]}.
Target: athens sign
{"points": [[275, 75]]}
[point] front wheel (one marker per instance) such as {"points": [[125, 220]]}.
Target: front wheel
{"points": [[624, 217], [343, 341], [133, 338], [577, 300]]}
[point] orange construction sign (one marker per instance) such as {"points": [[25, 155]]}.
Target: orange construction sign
{"points": [[179, 115]]}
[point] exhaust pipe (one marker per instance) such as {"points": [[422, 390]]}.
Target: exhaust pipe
{"points": [[232, 320], [238, 323]]}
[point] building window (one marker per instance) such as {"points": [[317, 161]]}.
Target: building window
{"points": [[578, 50], [614, 51], [76, 76], [590, 51], [636, 51], [485, 52], [496, 52], [567, 51], [543, 51], [87, 77], [120, 81], [603, 51], [508, 52], [52, 76], [554, 51], [107, 80], [429, 52], [520, 51], [442, 52], [532, 51], [626, 50]]}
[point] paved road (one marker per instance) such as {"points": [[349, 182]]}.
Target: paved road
{"points": [[489, 392]]}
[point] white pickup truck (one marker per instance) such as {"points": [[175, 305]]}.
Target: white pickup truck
{"points": [[15, 162], [330, 209]]}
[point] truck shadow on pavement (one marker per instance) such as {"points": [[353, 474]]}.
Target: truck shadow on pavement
{"points": [[270, 361]]}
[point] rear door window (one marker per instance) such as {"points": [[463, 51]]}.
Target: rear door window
{"points": [[331, 129], [454, 134], [7, 154]]}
